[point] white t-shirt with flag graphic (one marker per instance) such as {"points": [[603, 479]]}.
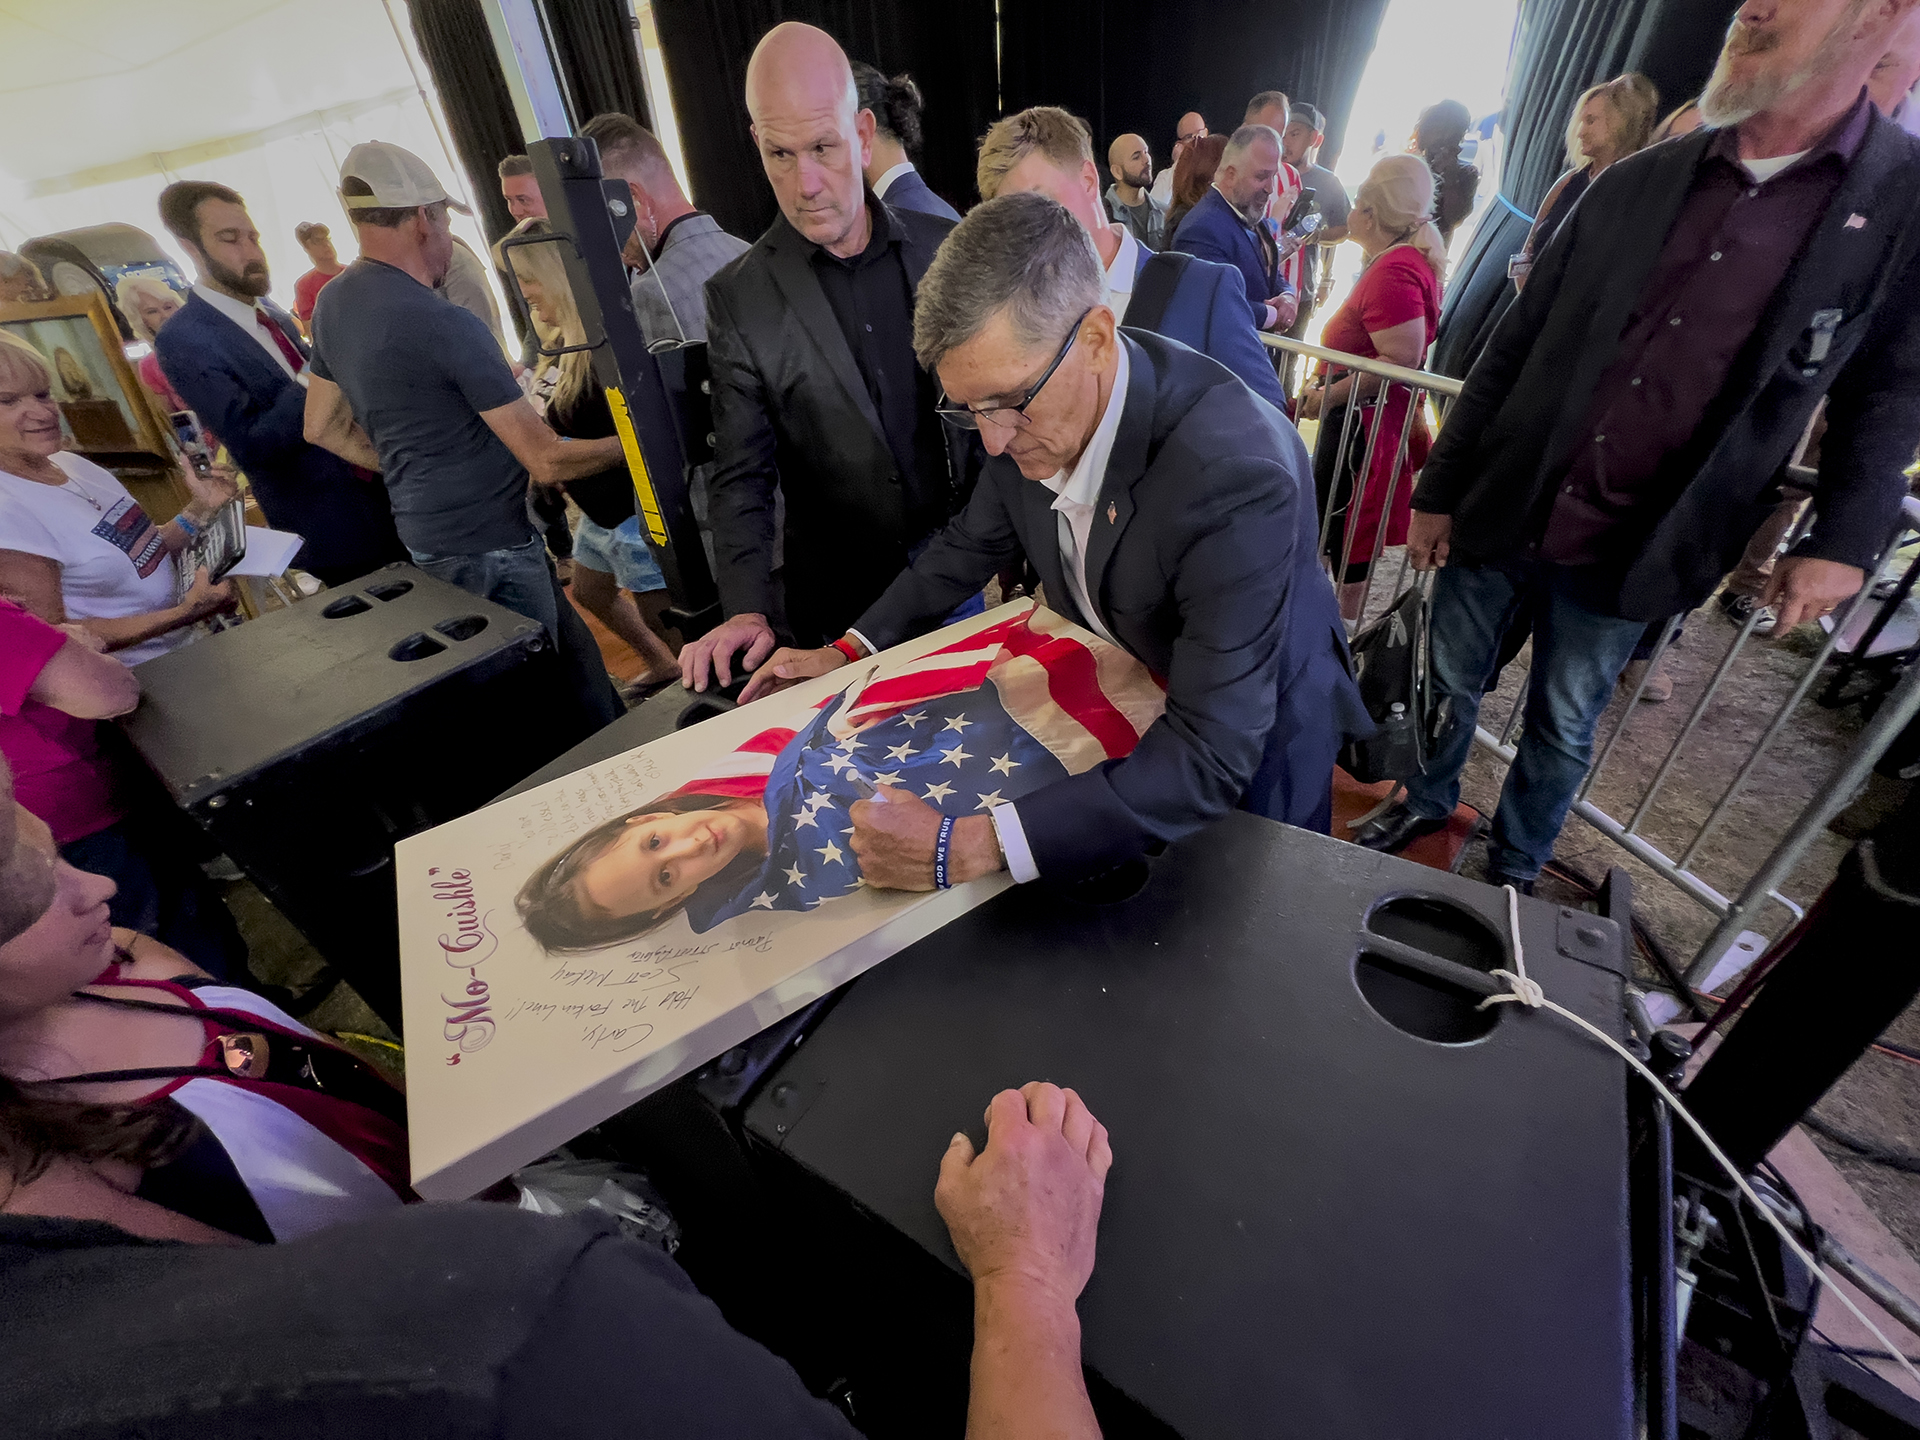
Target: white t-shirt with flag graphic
{"points": [[113, 561]]}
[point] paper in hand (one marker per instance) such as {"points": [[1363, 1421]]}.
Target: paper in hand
{"points": [[269, 552]]}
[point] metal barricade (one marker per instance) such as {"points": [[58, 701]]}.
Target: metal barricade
{"points": [[1762, 886]]}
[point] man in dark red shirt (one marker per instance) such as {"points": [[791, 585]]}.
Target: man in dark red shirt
{"points": [[1617, 442]]}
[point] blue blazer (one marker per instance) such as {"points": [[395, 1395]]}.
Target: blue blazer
{"points": [[258, 414], [1209, 313], [1204, 563], [1213, 231], [910, 192]]}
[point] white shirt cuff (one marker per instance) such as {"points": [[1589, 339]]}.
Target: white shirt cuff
{"points": [[1013, 843], [872, 649]]}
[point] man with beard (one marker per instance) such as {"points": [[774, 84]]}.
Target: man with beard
{"points": [[1129, 200], [1229, 224], [1621, 436], [405, 380], [239, 361]]}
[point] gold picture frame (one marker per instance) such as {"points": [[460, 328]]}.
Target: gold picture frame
{"points": [[106, 412]]}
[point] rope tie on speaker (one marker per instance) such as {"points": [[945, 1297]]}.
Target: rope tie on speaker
{"points": [[1527, 992]]}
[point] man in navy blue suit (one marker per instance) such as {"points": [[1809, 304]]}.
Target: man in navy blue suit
{"points": [[1047, 150], [239, 361], [895, 105], [1166, 509], [1229, 225]]}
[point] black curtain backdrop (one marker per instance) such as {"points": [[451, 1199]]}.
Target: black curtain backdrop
{"points": [[948, 49], [1562, 47], [599, 55], [1124, 65], [595, 45]]}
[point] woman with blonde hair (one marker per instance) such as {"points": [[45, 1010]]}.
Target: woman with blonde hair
{"points": [[609, 556], [74, 545], [1611, 121], [149, 302], [1391, 315]]}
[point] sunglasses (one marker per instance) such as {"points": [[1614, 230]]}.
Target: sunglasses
{"points": [[965, 417]]}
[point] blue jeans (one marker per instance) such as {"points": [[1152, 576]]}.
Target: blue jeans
{"points": [[521, 578], [1577, 657]]}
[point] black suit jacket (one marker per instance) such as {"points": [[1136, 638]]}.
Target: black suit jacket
{"points": [[1203, 563], [1510, 436], [790, 409], [259, 415]]}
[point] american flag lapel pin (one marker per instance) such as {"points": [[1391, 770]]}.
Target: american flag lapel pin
{"points": [[1855, 222], [1113, 512]]}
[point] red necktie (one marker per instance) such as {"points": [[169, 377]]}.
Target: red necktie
{"points": [[287, 347]]}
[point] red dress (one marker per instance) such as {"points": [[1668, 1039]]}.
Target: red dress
{"points": [[1397, 287]]}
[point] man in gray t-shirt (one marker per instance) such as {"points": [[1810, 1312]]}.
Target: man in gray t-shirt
{"points": [[408, 383]]}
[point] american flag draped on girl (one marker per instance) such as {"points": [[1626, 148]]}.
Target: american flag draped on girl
{"points": [[994, 715]]}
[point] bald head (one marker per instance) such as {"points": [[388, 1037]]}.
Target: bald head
{"points": [[1130, 163], [813, 137]]}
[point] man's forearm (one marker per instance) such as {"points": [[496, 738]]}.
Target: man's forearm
{"points": [[1026, 1376], [577, 459]]}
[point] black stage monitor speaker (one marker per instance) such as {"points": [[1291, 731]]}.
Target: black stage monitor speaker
{"points": [[310, 740], [1345, 1201]]}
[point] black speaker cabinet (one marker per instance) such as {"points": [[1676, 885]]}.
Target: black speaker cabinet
{"points": [[1345, 1201], [310, 740]]}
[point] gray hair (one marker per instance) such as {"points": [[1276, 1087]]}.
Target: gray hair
{"points": [[1024, 254], [1242, 142]]}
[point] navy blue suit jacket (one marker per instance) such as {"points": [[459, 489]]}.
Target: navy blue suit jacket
{"points": [[258, 413], [1214, 232], [1209, 313], [1203, 562], [910, 192]]}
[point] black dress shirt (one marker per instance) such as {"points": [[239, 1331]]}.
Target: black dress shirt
{"points": [[872, 299], [1727, 253]]}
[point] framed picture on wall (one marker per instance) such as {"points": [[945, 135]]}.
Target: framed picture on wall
{"points": [[104, 410]]}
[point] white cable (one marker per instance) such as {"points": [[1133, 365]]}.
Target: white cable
{"points": [[1527, 992]]}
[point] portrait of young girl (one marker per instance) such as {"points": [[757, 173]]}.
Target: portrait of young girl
{"points": [[989, 718]]}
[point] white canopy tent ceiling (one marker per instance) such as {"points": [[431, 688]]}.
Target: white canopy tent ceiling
{"points": [[105, 102]]}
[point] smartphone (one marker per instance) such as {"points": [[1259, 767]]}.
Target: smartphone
{"points": [[1300, 208], [191, 436]]}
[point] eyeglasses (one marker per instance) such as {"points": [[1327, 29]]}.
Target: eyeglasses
{"points": [[965, 417]]}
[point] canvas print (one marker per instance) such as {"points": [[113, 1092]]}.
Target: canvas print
{"points": [[578, 946]]}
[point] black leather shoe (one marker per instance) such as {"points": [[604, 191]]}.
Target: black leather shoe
{"points": [[1395, 830], [1496, 879]]}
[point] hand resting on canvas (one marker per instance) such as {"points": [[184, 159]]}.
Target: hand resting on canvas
{"points": [[894, 835], [787, 666]]}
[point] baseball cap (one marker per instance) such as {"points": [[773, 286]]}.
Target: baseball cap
{"points": [[1313, 117], [398, 178]]}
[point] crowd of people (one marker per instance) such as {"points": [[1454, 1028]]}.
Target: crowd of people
{"points": [[1067, 382]]}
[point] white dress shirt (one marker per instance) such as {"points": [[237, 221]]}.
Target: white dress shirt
{"points": [[1076, 498], [248, 318], [880, 186], [1121, 274]]}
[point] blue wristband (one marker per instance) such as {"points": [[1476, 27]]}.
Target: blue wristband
{"points": [[941, 880], [193, 530]]}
